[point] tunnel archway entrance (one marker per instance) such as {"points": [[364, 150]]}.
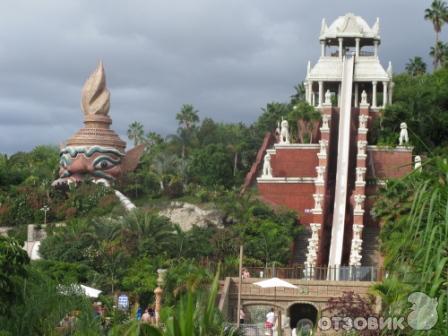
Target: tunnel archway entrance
{"points": [[302, 316]]}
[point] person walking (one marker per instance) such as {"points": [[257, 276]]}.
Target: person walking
{"points": [[270, 322], [242, 316]]}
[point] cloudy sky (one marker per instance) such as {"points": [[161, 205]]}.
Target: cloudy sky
{"points": [[226, 57]]}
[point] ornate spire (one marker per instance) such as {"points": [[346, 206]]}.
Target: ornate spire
{"points": [[389, 70], [95, 103], [95, 98], [323, 27]]}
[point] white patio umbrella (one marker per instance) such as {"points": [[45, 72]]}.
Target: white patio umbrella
{"points": [[90, 292], [275, 283], [79, 289]]}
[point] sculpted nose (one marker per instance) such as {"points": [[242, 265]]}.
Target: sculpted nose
{"points": [[80, 166]]}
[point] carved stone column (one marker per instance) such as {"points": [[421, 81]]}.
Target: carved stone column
{"points": [[357, 46], [374, 94], [340, 48], [321, 93], [385, 96], [356, 94]]}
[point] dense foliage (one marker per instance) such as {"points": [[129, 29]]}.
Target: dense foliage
{"points": [[414, 238], [122, 252], [421, 102]]}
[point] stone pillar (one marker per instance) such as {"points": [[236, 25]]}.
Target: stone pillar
{"points": [[158, 292], [391, 91], [340, 48], [375, 45], [357, 46], [310, 92], [374, 94], [322, 48], [339, 94], [356, 94], [305, 84], [385, 96], [321, 93]]}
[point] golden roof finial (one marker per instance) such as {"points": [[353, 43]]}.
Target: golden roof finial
{"points": [[95, 97]]}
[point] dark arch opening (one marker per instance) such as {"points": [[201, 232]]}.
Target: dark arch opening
{"points": [[301, 312]]}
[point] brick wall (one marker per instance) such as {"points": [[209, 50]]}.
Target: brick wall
{"points": [[388, 163], [296, 196], [295, 162]]}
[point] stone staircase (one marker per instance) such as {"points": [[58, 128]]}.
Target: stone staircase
{"points": [[301, 246], [370, 238]]}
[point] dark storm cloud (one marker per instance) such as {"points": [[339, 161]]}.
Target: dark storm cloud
{"points": [[228, 58]]}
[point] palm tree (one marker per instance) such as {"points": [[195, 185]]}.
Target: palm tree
{"points": [[438, 15], [416, 66], [439, 53], [188, 119], [163, 166], [148, 233], [306, 117], [136, 132], [299, 95]]}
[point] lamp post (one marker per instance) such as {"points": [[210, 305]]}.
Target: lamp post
{"points": [[158, 293], [45, 209]]}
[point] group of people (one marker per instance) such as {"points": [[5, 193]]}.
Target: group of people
{"points": [[149, 315]]}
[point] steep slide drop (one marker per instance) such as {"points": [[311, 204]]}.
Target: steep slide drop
{"points": [[337, 232]]}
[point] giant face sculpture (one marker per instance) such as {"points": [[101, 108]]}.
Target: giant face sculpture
{"points": [[96, 152]]}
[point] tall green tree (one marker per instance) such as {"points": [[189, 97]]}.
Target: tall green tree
{"points": [[136, 132], [439, 53], [13, 261], [306, 118], [416, 66], [438, 15], [188, 119]]}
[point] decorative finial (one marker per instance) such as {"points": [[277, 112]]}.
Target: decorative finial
{"points": [[323, 27], [389, 70], [376, 26], [95, 97]]}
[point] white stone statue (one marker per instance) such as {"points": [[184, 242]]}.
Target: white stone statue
{"points": [[284, 132], [404, 137], [327, 98], [357, 230], [359, 199], [363, 121], [418, 163], [362, 147], [323, 147], [318, 202], [277, 130], [315, 227], [325, 125], [320, 174], [364, 98], [355, 252], [360, 171], [267, 168]]}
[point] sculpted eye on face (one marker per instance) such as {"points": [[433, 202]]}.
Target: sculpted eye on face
{"points": [[87, 163]]}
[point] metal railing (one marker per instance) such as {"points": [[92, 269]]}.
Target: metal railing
{"points": [[331, 273], [252, 329]]}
